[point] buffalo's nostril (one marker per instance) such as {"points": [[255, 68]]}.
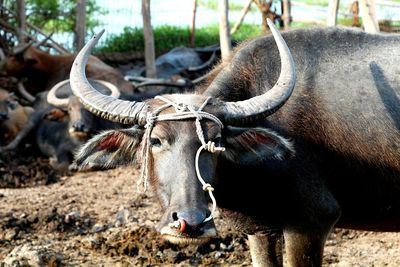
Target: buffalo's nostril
{"points": [[193, 219], [178, 223], [79, 127], [3, 116], [182, 225], [190, 221], [190, 224]]}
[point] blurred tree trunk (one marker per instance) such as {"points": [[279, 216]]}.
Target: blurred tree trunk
{"points": [[243, 13], [333, 8], [224, 32], [21, 21], [369, 16], [80, 26], [355, 10], [193, 26], [286, 14], [149, 51], [265, 8]]}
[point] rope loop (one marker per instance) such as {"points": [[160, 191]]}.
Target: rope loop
{"points": [[208, 187], [210, 147]]}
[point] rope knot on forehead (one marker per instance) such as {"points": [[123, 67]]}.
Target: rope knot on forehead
{"points": [[182, 111]]}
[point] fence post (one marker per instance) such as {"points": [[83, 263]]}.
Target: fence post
{"points": [[286, 13], [333, 8], [149, 50], [21, 21], [193, 26], [80, 26], [368, 16], [224, 32]]}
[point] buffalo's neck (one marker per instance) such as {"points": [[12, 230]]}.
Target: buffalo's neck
{"points": [[273, 193], [242, 191], [53, 69]]}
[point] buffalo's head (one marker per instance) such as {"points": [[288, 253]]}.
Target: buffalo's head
{"points": [[67, 107], [179, 139], [20, 59], [8, 102], [23, 57]]}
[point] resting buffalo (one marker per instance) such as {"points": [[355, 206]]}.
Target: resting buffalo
{"points": [[13, 116], [44, 70], [304, 140], [177, 70], [60, 123]]}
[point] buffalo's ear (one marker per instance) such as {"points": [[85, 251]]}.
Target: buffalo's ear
{"points": [[109, 149], [250, 146]]}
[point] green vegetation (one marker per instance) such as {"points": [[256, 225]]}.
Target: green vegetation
{"points": [[347, 21], [342, 21], [168, 37], [323, 3], [60, 15], [213, 5], [56, 15]]}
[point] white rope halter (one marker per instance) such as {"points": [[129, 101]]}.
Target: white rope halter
{"points": [[183, 111]]}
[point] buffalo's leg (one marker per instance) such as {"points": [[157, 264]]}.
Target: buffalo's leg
{"points": [[304, 248], [62, 160], [266, 249], [33, 121]]}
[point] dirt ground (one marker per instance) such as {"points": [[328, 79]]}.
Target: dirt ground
{"points": [[100, 219]]}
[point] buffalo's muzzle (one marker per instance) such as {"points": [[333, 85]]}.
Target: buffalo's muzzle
{"points": [[188, 227], [79, 127], [78, 134]]}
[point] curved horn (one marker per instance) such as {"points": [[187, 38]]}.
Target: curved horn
{"points": [[2, 58], [114, 90], [206, 64], [107, 107], [53, 99], [25, 94], [22, 48], [2, 55], [180, 83], [261, 106]]}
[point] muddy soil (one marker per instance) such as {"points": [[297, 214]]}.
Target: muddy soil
{"points": [[100, 219]]}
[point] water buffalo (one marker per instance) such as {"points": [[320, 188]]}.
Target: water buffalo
{"points": [[304, 140], [13, 116], [44, 70], [178, 70], [181, 60], [61, 124]]}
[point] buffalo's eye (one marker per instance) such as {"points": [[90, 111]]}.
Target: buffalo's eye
{"points": [[12, 104], [155, 142]]}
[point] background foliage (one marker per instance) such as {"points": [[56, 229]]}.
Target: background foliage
{"points": [[167, 37], [56, 15]]}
